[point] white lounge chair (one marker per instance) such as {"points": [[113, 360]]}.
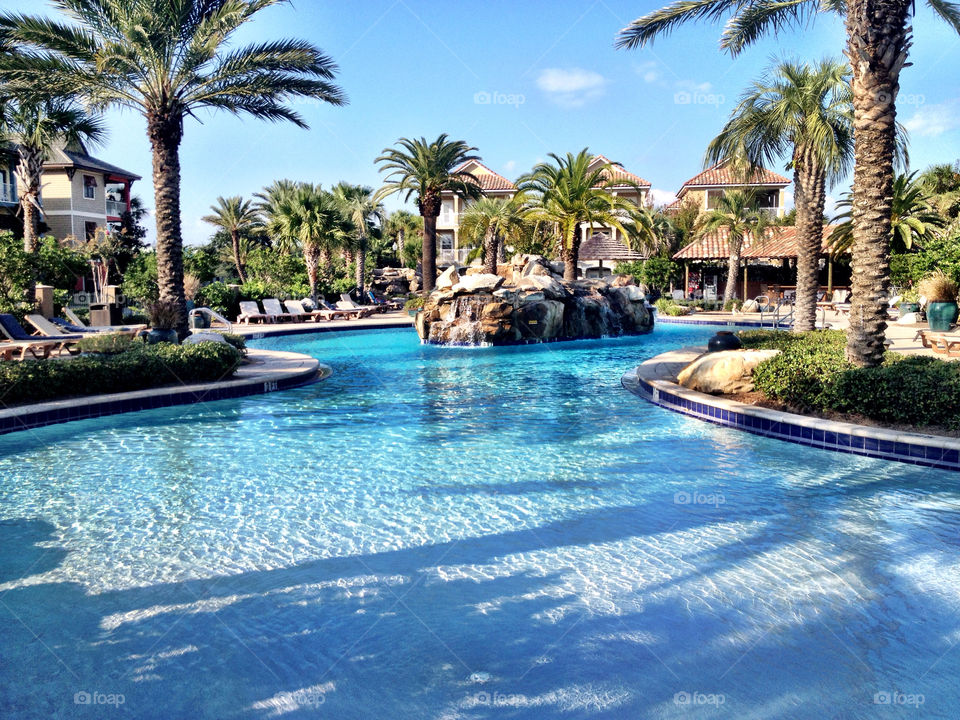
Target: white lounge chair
{"points": [[274, 310], [296, 307], [347, 303], [250, 312]]}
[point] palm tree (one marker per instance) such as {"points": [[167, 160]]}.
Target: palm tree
{"points": [[166, 59], [308, 217], [802, 111], [943, 183], [270, 201], [425, 170], [36, 128], [358, 205], [878, 43], [914, 217], [566, 193], [736, 213], [491, 222], [406, 229], [237, 217]]}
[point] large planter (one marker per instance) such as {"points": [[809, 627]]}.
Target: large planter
{"points": [[908, 307], [158, 336], [941, 315], [723, 340], [199, 322]]}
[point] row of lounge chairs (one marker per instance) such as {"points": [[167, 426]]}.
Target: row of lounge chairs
{"points": [[50, 336], [294, 311]]}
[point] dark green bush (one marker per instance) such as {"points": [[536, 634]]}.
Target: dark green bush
{"points": [[105, 343], [139, 368], [238, 341]]}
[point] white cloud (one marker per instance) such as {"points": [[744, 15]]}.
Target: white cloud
{"points": [[649, 71], [571, 87], [509, 165], [661, 197], [692, 86], [935, 120]]}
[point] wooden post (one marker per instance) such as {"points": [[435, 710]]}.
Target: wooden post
{"points": [[830, 275], [686, 278], [744, 282]]}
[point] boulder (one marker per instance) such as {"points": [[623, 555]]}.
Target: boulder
{"points": [[623, 280], [537, 267], [526, 298], [199, 337], [544, 283], [724, 372], [478, 283], [541, 320], [750, 306], [448, 278]]}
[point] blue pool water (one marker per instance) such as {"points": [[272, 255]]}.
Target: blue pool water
{"points": [[453, 533]]}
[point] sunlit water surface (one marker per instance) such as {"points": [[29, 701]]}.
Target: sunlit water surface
{"points": [[454, 533]]}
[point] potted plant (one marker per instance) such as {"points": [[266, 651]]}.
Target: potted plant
{"points": [[414, 305], [164, 316], [910, 302], [941, 293]]}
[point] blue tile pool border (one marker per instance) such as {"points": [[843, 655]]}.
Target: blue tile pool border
{"points": [[910, 448]]}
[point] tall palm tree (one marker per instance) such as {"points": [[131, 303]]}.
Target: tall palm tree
{"points": [[736, 213], [165, 59], [568, 194], [270, 201], [878, 43], [914, 218], [365, 212], [406, 229], [237, 217], [425, 169], [310, 218], [491, 222], [37, 127], [803, 112]]}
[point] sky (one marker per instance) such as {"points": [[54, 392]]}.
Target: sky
{"points": [[518, 80]]}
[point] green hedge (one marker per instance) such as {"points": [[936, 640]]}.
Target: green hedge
{"points": [[138, 368], [812, 373]]}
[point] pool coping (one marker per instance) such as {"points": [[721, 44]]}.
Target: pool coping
{"points": [[684, 320], [654, 381], [266, 371]]}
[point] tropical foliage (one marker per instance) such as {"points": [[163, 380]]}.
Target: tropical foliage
{"points": [[490, 223]]}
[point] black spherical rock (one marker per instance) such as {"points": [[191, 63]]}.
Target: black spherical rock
{"points": [[724, 340]]}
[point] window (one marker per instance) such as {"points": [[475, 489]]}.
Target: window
{"points": [[89, 229], [446, 241], [89, 187], [713, 198]]}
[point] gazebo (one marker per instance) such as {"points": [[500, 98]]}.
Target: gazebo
{"points": [[601, 247], [779, 244]]}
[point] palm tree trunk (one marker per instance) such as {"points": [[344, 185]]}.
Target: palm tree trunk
{"points": [[235, 240], [490, 252], [165, 132], [809, 183], [571, 255], [733, 268], [29, 173], [877, 49], [311, 257], [326, 258], [361, 258], [430, 209]]}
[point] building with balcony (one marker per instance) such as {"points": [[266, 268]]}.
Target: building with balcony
{"points": [[82, 193], [707, 187], [8, 189]]}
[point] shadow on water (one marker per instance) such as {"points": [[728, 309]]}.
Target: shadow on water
{"points": [[404, 634]]}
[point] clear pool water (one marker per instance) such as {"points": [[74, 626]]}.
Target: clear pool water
{"points": [[452, 533]]}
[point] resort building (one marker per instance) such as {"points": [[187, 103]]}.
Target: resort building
{"points": [[768, 266], [707, 187], [79, 192]]}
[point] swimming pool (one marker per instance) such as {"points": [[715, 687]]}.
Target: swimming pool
{"points": [[468, 533]]}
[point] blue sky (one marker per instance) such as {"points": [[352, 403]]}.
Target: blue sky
{"points": [[518, 80]]}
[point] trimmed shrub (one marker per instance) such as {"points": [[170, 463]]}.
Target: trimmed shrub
{"points": [[105, 343], [138, 368]]}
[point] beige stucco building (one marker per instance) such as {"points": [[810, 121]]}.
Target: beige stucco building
{"points": [[707, 187]]}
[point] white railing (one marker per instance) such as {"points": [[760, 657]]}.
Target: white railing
{"points": [[447, 257], [116, 209], [7, 193]]}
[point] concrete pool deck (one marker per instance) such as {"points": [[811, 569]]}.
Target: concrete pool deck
{"points": [[264, 371]]}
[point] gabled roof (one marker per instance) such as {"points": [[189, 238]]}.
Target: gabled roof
{"points": [[76, 156], [778, 242], [618, 173], [721, 175], [489, 180], [600, 246]]}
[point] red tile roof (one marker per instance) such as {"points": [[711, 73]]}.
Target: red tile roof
{"points": [[720, 174], [489, 180], [617, 172], [778, 242]]}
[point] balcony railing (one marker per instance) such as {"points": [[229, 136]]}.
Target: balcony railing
{"points": [[116, 209], [448, 257], [7, 193]]}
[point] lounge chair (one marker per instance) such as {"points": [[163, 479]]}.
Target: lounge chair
{"points": [[274, 310], [14, 331], [385, 304], [347, 303], [942, 343], [74, 324], [345, 312], [39, 349], [250, 312], [55, 327], [296, 307]]}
